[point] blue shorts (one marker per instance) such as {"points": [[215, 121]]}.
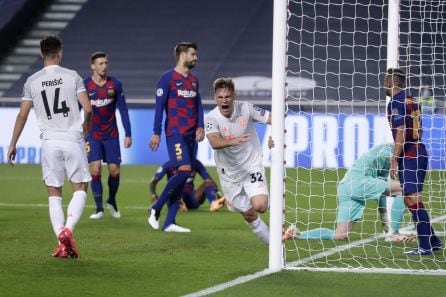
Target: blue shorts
{"points": [[107, 150], [182, 150], [412, 173]]}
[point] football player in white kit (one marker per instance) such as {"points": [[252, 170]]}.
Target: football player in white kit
{"points": [[238, 154], [55, 92]]}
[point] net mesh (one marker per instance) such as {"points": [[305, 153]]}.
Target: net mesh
{"points": [[336, 112]]}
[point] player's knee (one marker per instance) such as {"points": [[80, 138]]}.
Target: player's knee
{"points": [[260, 203]]}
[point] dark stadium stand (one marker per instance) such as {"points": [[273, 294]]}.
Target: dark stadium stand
{"points": [[234, 38], [14, 16]]}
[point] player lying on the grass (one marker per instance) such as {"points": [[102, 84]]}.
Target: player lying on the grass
{"points": [[239, 155], [366, 180], [191, 198]]}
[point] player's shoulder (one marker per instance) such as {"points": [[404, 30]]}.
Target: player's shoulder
{"points": [[113, 79], [66, 71], [88, 80], [213, 114], [168, 75]]}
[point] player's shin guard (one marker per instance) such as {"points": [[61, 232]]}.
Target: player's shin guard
{"points": [[75, 209], [260, 229], [173, 189], [96, 188], [422, 223], [57, 217], [113, 185]]}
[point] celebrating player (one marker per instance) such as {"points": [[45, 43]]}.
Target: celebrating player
{"points": [[105, 93], [178, 94], [238, 154], [410, 158], [191, 198], [55, 93], [366, 180]]}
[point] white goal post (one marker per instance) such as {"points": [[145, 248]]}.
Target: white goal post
{"points": [[343, 48]]}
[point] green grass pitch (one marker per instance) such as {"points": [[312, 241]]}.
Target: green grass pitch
{"points": [[126, 258]]}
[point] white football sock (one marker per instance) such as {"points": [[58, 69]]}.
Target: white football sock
{"points": [[75, 208], [260, 229], [57, 217]]}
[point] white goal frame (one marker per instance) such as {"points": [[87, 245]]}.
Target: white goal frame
{"points": [[278, 170]]}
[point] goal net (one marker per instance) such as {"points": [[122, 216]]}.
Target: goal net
{"points": [[336, 111]]}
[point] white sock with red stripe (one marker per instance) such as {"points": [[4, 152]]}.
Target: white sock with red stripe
{"points": [[75, 208]]}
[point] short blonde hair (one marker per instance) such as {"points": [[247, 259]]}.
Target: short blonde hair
{"points": [[224, 83]]}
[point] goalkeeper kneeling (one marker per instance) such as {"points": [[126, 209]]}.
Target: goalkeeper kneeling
{"points": [[366, 180]]}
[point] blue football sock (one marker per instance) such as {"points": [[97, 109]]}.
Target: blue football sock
{"points": [[172, 209], [173, 189], [113, 185], [96, 188], [209, 191], [422, 223], [319, 233], [397, 212]]}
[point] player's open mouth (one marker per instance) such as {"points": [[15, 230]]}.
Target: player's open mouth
{"points": [[224, 106]]}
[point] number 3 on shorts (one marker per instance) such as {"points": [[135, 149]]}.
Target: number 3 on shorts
{"points": [[178, 151]]}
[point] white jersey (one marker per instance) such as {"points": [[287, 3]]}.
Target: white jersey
{"points": [[53, 91], [235, 163]]}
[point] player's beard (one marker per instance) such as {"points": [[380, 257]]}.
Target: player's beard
{"points": [[189, 64]]}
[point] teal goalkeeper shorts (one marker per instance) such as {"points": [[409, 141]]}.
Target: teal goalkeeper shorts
{"points": [[352, 195]]}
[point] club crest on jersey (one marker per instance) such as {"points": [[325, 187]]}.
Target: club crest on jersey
{"points": [[242, 121], [159, 92], [187, 93], [110, 92]]}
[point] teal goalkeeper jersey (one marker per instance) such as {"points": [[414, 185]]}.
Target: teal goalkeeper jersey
{"points": [[375, 163]]}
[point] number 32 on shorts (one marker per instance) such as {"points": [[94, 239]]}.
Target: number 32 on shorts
{"points": [[178, 151], [256, 177]]}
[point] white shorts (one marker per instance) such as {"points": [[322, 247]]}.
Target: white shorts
{"points": [[62, 156], [238, 194]]}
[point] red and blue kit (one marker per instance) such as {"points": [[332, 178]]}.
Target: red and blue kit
{"points": [[103, 138], [179, 97], [405, 111]]}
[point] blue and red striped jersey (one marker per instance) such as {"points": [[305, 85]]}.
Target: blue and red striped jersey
{"points": [[180, 98], [104, 100], [404, 110]]}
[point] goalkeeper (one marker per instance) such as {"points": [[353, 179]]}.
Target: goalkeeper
{"points": [[191, 198], [366, 180]]}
